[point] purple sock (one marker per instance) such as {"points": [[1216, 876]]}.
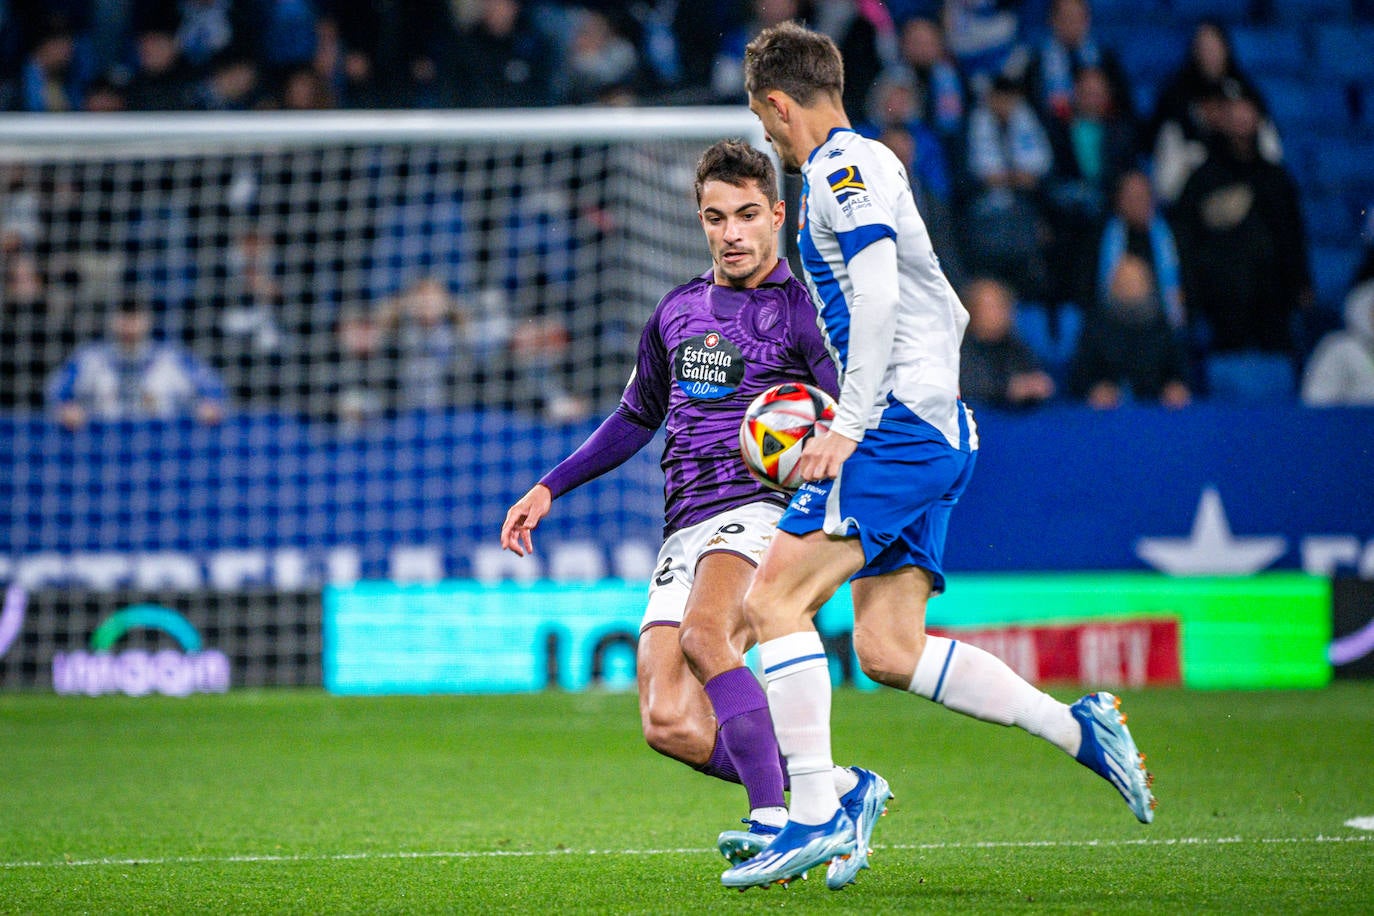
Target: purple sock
{"points": [[720, 765], [746, 732]]}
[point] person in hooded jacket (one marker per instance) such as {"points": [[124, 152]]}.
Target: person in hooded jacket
{"points": [[1341, 369]]}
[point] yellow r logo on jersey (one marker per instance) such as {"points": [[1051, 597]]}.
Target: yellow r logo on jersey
{"points": [[846, 183]]}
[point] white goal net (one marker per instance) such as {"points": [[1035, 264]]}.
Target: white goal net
{"points": [[369, 333]]}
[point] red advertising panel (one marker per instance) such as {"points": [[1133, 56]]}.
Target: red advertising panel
{"points": [[1130, 653]]}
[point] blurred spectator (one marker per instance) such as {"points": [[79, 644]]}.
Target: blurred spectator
{"points": [[996, 367], [362, 369], [1050, 71], [105, 95], [1008, 157], [540, 350], [941, 96], [702, 31], [204, 30], [1093, 147], [426, 324], [21, 211], [893, 121], [1191, 108], [378, 41], [250, 344], [1341, 368], [104, 29], [286, 33], [920, 154], [349, 72], [1137, 228], [893, 103], [163, 80], [1241, 237], [1127, 349], [981, 35], [600, 61], [304, 89], [233, 85], [500, 60], [50, 81], [128, 374], [1366, 269], [727, 71], [866, 37], [650, 27], [34, 332]]}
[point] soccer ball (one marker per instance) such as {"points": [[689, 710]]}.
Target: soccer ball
{"points": [[775, 429]]}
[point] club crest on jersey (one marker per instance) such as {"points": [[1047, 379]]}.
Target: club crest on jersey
{"points": [[708, 366], [846, 183]]}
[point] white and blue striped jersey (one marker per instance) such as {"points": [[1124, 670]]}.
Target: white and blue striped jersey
{"points": [[898, 351]]}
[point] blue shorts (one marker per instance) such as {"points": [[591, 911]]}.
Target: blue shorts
{"points": [[895, 493]]}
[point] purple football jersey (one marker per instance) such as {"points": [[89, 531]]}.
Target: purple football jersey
{"points": [[706, 352]]}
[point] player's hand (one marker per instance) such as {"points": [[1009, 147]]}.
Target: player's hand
{"points": [[523, 518], [822, 456]]}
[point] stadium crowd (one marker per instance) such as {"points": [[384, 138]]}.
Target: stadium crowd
{"points": [[1120, 232]]}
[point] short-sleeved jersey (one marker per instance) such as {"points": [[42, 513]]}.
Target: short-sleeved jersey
{"points": [[706, 352], [854, 193]]}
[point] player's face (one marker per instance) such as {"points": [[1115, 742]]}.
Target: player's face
{"points": [[778, 132], [742, 232]]}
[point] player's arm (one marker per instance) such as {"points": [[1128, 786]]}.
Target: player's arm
{"points": [[608, 447], [641, 410], [872, 327], [810, 348]]}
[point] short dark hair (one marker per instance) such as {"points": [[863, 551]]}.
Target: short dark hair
{"points": [[737, 163], [794, 60]]}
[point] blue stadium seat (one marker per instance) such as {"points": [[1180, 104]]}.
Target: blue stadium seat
{"points": [[1330, 219], [1145, 96], [1270, 51], [1345, 166], [1230, 11], [1343, 51], [1070, 328], [1293, 11], [1152, 54], [1299, 105], [1333, 267], [1033, 326], [1108, 13], [1250, 378]]}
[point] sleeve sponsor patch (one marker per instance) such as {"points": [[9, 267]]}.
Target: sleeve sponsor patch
{"points": [[846, 183]]}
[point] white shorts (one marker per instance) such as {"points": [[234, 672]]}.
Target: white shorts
{"points": [[744, 531]]}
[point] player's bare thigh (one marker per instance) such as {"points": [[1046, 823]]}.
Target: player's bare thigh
{"points": [[714, 634], [890, 623], [797, 576]]}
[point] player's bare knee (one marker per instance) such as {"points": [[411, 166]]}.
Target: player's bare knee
{"points": [[675, 735], [890, 662], [708, 648]]}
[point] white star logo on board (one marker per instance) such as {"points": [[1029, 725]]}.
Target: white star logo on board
{"points": [[1210, 549]]}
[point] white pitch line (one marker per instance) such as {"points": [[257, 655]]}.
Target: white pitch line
{"points": [[550, 853]]}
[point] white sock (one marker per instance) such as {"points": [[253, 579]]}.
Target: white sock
{"points": [[966, 679], [773, 815], [798, 680], [845, 779]]}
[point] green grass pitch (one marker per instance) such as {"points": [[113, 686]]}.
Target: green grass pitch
{"points": [[299, 802]]}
